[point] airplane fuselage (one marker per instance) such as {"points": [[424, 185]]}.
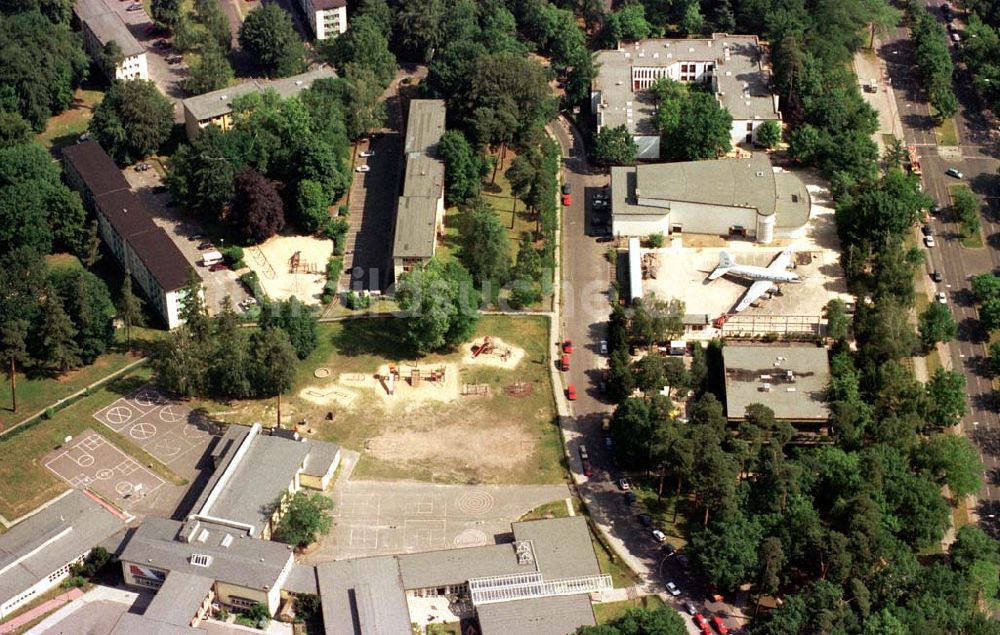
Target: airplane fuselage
{"points": [[749, 272]]}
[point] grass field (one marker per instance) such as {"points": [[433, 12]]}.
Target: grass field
{"points": [[609, 611], [65, 128], [946, 133], [495, 439], [27, 483], [555, 509]]}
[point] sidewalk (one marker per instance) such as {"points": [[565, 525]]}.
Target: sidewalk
{"points": [[40, 610], [868, 66]]}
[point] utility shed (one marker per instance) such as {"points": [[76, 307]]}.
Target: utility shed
{"points": [[790, 380]]}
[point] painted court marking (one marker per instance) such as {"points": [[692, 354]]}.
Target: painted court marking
{"points": [[142, 431], [423, 534]]}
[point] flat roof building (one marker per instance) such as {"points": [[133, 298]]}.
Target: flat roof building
{"points": [[327, 18], [216, 108], [731, 64], [744, 197], [420, 209], [36, 553], [127, 228], [790, 380], [101, 25], [539, 583]]}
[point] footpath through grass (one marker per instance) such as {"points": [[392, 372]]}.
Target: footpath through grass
{"points": [[65, 128]]}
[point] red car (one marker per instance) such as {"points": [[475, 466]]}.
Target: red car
{"points": [[567, 200], [564, 362], [588, 470], [700, 620], [719, 625], [571, 392], [568, 346], [219, 266]]}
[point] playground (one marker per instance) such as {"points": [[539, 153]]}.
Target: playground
{"points": [[445, 418], [90, 461], [291, 266]]}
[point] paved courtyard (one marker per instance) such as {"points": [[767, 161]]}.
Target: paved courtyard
{"points": [[90, 461], [167, 429], [375, 518]]}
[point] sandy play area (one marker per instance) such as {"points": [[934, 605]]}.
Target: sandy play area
{"points": [[496, 353], [273, 262]]}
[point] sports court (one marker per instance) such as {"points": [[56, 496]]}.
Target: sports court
{"points": [[165, 428], [90, 461]]}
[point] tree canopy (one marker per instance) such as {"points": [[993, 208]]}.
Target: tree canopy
{"points": [[440, 305], [132, 121], [268, 36]]}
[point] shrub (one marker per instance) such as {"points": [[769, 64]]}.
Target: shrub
{"points": [[251, 281], [220, 614], [49, 413], [357, 301], [233, 256], [74, 582], [655, 241]]}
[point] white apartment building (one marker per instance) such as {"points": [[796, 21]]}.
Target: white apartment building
{"points": [[327, 18], [732, 64], [100, 25]]}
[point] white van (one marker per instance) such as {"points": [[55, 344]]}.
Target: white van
{"points": [[209, 258]]}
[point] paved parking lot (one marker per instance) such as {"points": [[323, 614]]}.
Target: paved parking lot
{"points": [[167, 429], [372, 215], [186, 235], [373, 517]]}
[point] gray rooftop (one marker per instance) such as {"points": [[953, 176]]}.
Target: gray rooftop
{"points": [[363, 596], [454, 566], [248, 562], [740, 182], [179, 599], [556, 615], [800, 400], [423, 181], [132, 623], [739, 79], [301, 579], [107, 25], [259, 480], [220, 102], [321, 456], [563, 547], [47, 540]]}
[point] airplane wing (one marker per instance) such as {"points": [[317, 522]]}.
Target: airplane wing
{"points": [[756, 290], [781, 262]]}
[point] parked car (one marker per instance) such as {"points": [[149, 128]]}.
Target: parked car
{"points": [[719, 625], [927, 230], [929, 241], [564, 363], [363, 168], [690, 608], [941, 297], [571, 392], [955, 37], [672, 589], [219, 266], [700, 620], [630, 497], [583, 453], [936, 276], [608, 443], [645, 520], [135, 6], [624, 484], [659, 536], [567, 200], [935, 210], [367, 153], [205, 245], [175, 59], [955, 172], [588, 470], [669, 549], [567, 346], [605, 239], [603, 347]]}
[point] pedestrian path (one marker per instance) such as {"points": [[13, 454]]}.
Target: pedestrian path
{"points": [[40, 610]]}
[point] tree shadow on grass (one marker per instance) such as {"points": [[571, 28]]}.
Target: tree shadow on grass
{"points": [[381, 337]]}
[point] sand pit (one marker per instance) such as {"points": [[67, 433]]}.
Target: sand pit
{"points": [[327, 394], [405, 393], [272, 262], [502, 355]]}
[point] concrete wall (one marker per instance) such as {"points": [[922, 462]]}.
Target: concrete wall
{"points": [[50, 581], [640, 225], [739, 132], [711, 219], [226, 591]]}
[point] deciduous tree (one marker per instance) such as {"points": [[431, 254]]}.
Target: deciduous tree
{"points": [[258, 211], [614, 146], [306, 517], [440, 305], [268, 36], [211, 72], [936, 324], [132, 121]]}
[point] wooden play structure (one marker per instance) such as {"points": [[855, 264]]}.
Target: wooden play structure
{"points": [[297, 265], [489, 347], [435, 376], [475, 390], [258, 255], [519, 389]]}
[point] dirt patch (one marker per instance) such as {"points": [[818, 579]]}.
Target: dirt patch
{"points": [[497, 353], [274, 259], [324, 395], [455, 444], [436, 382]]}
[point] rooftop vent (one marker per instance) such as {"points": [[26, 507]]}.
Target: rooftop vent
{"points": [[223, 97], [795, 198], [790, 389], [759, 173], [227, 540], [298, 82], [203, 536], [766, 387], [201, 560]]}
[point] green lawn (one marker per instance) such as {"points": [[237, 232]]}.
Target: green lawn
{"points": [[946, 133], [65, 128], [555, 509], [608, 611], [621, 575], [27, 483], [494, 439]]}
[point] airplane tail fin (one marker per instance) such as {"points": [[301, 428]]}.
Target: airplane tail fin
{"points": [[725, 264]]}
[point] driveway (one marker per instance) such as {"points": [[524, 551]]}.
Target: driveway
{"points": [[186, 234]]}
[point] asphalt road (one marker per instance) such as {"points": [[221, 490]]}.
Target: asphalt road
{"points": [[586, 279], [976, 157]]}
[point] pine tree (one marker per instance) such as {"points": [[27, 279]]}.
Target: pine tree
{"points": [[58, 335], [12, 342], [129, 308]]}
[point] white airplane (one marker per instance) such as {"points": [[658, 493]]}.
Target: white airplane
{"points": [[764, 278]]}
